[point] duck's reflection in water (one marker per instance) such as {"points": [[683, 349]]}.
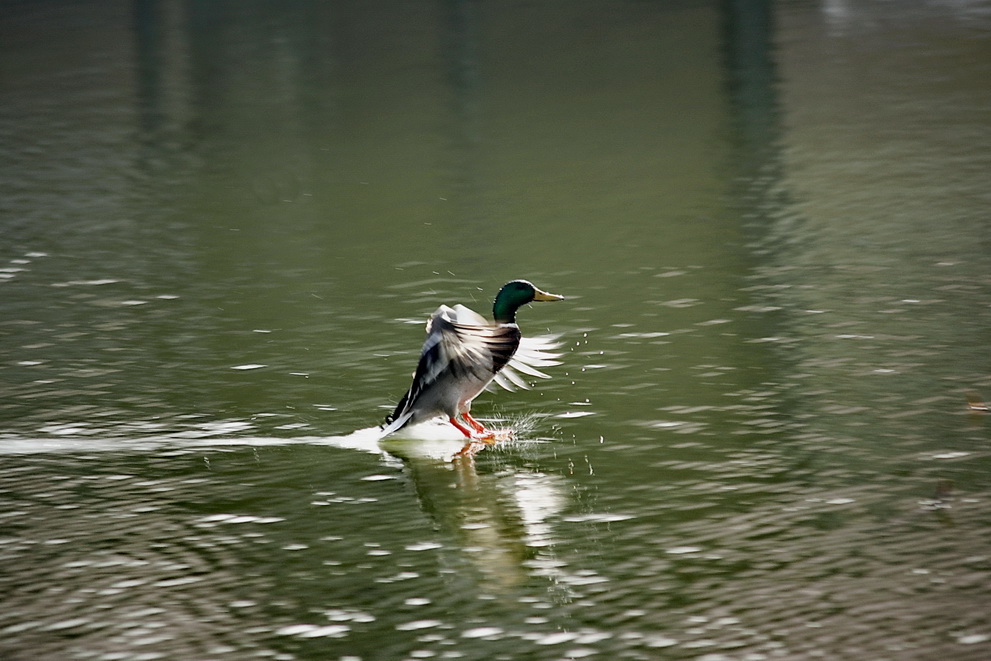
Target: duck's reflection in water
{"points": [[499, 519]]}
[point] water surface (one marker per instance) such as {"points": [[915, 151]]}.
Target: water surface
{"points": [[224, 226]]}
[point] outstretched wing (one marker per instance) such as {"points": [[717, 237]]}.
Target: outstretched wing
{"points": [[459, 343], [533, 353]]}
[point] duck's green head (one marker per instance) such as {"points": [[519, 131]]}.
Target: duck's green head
{"points": [[515, 294]]}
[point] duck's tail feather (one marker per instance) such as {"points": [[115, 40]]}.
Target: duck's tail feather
{"points": [[395, 424]]}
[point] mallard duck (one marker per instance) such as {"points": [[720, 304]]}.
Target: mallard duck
{"points": [[464, 353]]}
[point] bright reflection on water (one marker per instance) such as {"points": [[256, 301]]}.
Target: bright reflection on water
{"points": [[223, 228]]}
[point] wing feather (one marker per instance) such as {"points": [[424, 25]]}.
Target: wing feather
{"points": [[502, 381], [459, 342], [532, 353]]}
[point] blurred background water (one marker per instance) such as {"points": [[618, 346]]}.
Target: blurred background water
{"points": [[224, 224]]}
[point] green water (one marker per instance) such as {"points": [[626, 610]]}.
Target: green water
{"points": [[223, 225]]}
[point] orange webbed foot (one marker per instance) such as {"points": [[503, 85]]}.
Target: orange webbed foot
{"points": [[487, 435], [478, 436]]}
